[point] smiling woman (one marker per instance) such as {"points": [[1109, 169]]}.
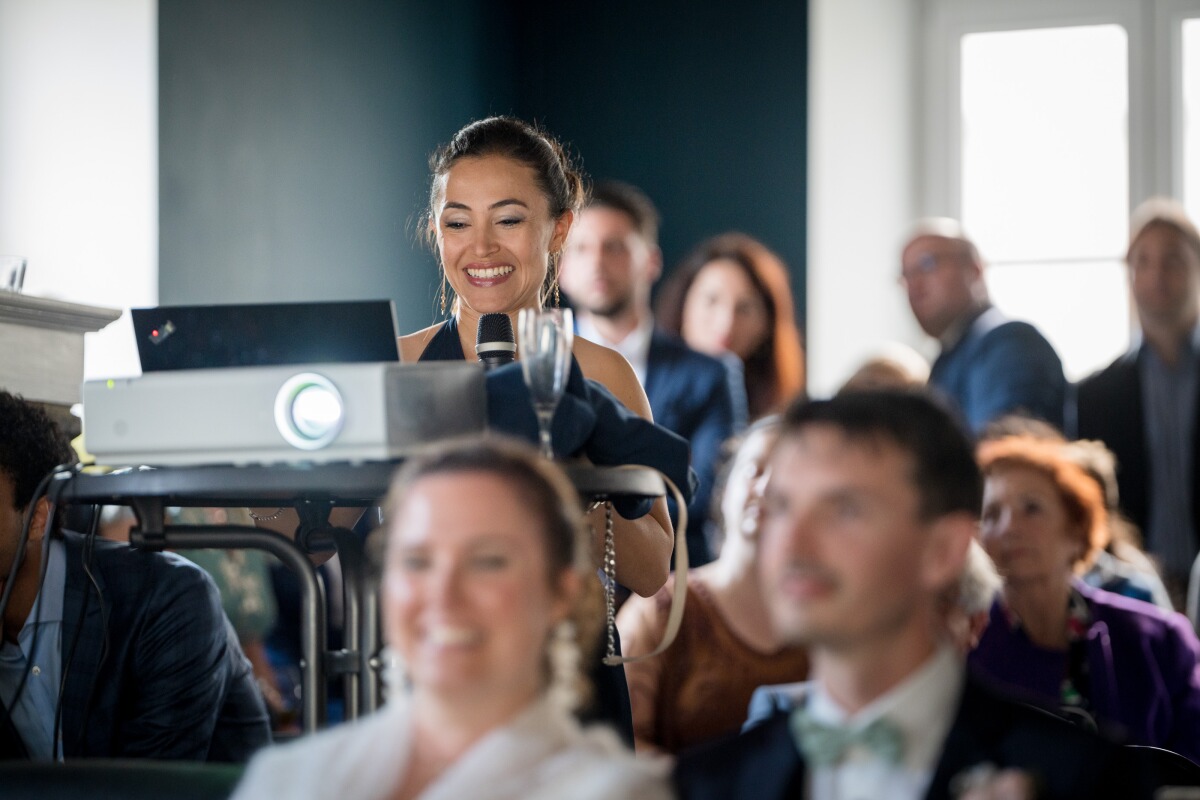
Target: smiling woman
{"points": [[502, 198], [488, 597]]}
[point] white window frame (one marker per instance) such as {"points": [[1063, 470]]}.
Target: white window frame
{"points": [[1155, 85]]}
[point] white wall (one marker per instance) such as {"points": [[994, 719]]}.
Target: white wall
{"points": [[863, 173], [79, 157]]}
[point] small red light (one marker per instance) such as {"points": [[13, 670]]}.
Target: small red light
{"points": [[154, 333]]}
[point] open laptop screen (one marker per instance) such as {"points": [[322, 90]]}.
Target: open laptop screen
{"points": [[206, 337]]}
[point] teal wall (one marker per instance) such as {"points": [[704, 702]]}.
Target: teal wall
{"points": [[294, 133]]}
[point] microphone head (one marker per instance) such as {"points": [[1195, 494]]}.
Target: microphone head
{"points": [[495, 344]]}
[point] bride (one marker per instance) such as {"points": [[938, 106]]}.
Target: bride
{"points": [[487, 602]]}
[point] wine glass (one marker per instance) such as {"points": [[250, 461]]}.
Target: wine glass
{"points": [[544, 337]]}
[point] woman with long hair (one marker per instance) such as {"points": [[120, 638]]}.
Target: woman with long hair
{"points": [[731, 295]]}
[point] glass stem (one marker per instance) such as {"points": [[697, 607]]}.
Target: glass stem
{"points": [[544, 419]]}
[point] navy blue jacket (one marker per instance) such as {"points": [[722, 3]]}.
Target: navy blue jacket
{"points": [[690, 394], [156, 671], [1001, 366]]}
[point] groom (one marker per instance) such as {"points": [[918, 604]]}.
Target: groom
{"points": [[872, 502]]}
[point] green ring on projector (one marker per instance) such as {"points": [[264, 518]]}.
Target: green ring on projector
{"points": [[309, 411]]}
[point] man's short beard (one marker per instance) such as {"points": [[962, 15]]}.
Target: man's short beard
{"points": [[618, 307]]}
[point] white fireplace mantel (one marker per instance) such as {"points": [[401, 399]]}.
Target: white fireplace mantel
{"points": [[41, 346]]}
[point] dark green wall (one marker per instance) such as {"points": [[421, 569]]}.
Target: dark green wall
{"points": [[702, 104], [294, 133]]}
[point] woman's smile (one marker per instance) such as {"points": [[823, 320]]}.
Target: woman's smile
{"points": [[484, 275], [495, 234]]}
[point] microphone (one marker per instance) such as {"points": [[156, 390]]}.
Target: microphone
{"points": [[495, 344]]}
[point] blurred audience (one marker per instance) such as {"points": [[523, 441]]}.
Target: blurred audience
{"points": [[731, 295], [698, 689], [989, 365], [1144, 405], [872, 502], [967, 605], [609, 265], [1122, 566], [896, 366], [489, 600], [1100, 658]]}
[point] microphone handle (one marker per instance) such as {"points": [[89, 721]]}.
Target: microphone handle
{"points": [[493, 359]]}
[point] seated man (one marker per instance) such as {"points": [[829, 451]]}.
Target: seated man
{"points": [[147, 663], [872, 502], [989, 365]]}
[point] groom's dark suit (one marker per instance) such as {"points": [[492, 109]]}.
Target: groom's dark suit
{"points": [[1067, 762]]}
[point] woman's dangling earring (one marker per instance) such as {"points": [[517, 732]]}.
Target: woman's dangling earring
{"points": [[562, 651], [443, 293], [554, 259], [392, 673]]}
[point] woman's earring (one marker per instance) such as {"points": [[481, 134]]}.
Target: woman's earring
{"points": [[564, 656], [443, 300], [392, 672], [555, 260]]}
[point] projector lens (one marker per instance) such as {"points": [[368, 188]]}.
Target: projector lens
{"points": [[309, 411]]}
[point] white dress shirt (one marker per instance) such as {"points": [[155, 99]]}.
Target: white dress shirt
{"points": [[635, 346], [922, 707]]}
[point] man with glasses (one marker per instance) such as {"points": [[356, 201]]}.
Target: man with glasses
{"points": [[989, 365]]}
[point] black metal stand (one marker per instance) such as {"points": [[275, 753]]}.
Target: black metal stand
{"points": [[313, 491]]}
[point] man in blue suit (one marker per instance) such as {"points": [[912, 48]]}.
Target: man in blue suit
{"points": [[117, 652], [989, 365], [609, 266], [872, 501]]}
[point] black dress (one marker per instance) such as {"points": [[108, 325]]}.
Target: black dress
{"points": [[611, 701]]}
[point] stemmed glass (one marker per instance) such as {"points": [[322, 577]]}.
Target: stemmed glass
{"points": [[544, 337]]}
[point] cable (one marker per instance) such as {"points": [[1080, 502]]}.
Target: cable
{"points": [[88, 547]]}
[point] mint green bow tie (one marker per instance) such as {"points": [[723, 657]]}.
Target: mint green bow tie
{"points": [[823, 744]]}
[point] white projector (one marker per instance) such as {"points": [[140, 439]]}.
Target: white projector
{"points": [[314, 413]]}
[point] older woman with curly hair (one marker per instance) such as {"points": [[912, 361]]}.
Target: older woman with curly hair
{"points": [[1099, 658]]}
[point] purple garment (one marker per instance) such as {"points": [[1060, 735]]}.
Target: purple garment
{"points": [[1142, 664]]}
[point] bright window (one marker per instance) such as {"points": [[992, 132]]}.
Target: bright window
{"points": [[1191, 117], [1045, 181]]}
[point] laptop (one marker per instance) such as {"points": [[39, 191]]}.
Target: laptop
{"points": [[267, 334]]}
